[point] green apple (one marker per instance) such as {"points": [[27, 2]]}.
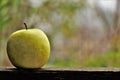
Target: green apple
{"points": [[28, 48]]}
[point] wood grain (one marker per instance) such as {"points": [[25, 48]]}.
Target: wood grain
{"points": [[60, 74]]}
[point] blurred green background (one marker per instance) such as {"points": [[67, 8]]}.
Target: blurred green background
{"points": [[82, 33]]}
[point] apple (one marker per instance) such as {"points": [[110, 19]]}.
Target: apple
{"points": [[28, 48]]}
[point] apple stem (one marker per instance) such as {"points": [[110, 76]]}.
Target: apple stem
{"points": [[25, 26]]}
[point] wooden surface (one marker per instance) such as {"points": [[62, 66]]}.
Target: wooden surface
{"points": [[60, 74]]}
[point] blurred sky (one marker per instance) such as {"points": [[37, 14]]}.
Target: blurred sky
{"points": [[105, 4], [87, 14]]}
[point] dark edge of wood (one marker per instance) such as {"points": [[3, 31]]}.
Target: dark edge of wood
{"points": [[59, 74]]}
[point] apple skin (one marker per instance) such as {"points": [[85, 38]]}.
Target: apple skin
{"points": [[28, 48]]}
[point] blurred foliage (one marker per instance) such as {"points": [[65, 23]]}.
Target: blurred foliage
{"points": [[80, 35], [4, 12]]}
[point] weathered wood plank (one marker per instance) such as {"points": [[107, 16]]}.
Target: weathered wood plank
{"points": [[60, 74]]}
